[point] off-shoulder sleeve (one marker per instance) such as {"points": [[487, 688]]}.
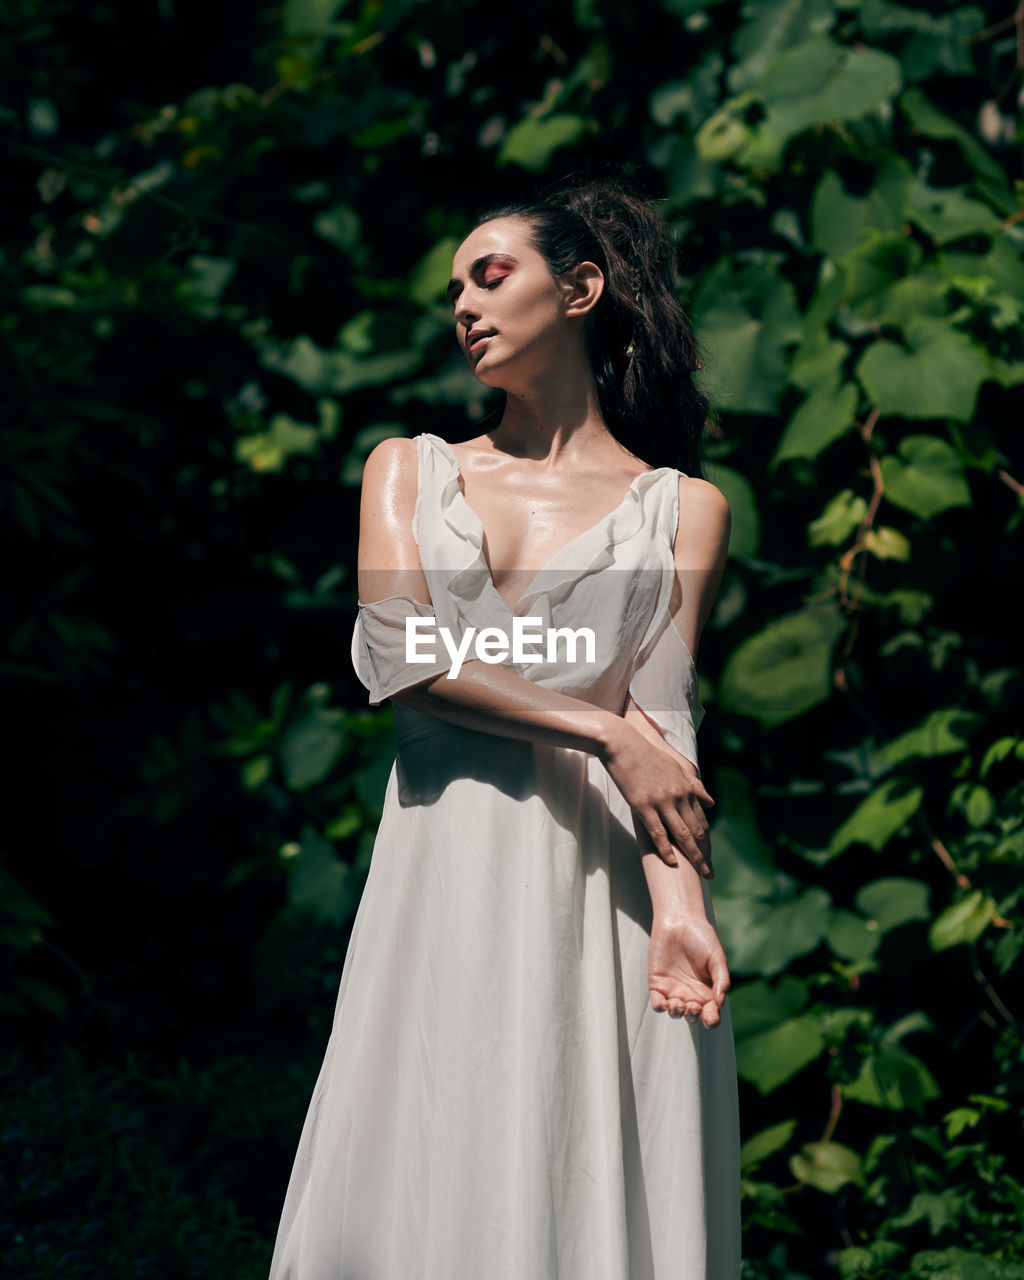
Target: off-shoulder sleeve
{"points": [[382, 660], [663, 684]]}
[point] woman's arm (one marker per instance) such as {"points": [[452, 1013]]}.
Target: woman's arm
{"points": [[688, 972], [700, 550], [493, 699]]}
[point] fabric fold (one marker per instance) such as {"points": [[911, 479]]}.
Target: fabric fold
{"points": [[588, 553], [663, 684], [379, 647]]}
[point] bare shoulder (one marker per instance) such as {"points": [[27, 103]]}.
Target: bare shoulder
{"points": [[388, 555], [702, 533], [390, 463], [702, 498]]}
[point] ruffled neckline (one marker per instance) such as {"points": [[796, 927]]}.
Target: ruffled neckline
{"points": [[584, 554]]}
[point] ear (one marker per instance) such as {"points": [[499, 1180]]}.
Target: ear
{"points": [[584, 286]]}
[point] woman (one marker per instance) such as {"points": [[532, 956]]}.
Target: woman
{"points": [[500, 1099]]}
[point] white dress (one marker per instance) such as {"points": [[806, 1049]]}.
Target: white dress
{"points": [[498, 1099]]}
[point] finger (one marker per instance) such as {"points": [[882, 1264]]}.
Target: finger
{"points": [[702, 793], [696, 825], [689, 809], [692, 849], [720, 980], [711, 1017], [660, 837]]}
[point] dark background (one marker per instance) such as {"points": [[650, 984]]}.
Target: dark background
{"points": [[226, 233]]}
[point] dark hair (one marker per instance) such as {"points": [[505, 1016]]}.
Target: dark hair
{"points": [[640, 347]]}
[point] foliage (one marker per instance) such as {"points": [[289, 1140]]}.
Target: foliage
{"points": [[225, 292], [187, 1145]]}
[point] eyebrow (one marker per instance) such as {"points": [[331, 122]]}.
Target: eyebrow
{"points": [[487, 258]]}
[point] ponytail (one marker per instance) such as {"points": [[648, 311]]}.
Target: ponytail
{"points": [[640, 347]]}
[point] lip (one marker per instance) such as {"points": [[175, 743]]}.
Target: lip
{"points": [[477, 336]]}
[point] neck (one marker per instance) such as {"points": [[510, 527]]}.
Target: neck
{"points": [[558, 415]]}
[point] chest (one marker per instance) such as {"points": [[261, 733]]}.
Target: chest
{"points": [[526, 524]]}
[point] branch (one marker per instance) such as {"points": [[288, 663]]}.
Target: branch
{"points": [[1005, 476], [849, 559]]}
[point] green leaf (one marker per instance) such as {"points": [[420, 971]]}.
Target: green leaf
{"points": [[926, 118], [997, 752], [764, 936], [689, 176], [900, 304], [759, 1006], [979, 806], [318, 881], [817, 82], [839, 519], [311, 17], [322, 372], [893, 901], [773, 25], [1001, 267], [669, 101], [887, 543], [934, 736], [431, 274], [723, 134], [340, 226], [745, 531], [839, 220], [744, 866], [925, 477], [532, 142], [963, 921], [269, 450], [818, 362], [693, 97], [893, 1078], [256, 770], [852, 937], [210, 276], [826, 414], [766, 1143], [947, 214], [747, 316], [872, 269], [773, 1057], [938, 377], [943, 45], [783, 670], [311, 746], [960, 1119], [349, 374], [878, 816], [827, 1166], [962, 1264], [862, 1260]]}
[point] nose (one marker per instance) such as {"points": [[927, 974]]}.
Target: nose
{"points": [[465, 313]]}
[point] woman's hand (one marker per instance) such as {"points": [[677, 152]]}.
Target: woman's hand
{"points": [[687, 969], [666, 794]]}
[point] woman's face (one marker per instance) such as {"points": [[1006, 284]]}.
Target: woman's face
{"points": [[510, 311]]}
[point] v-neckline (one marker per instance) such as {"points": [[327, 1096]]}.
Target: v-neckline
{"points": [[446, 448]]}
